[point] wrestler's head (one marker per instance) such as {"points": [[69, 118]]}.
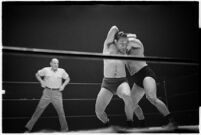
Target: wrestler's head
{"points": [[121, 42], [54, 63]]}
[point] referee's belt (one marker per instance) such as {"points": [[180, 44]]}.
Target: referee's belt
{"points": [[51, 88]]}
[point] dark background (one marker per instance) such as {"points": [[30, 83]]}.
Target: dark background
{"points": [[165, 29]]}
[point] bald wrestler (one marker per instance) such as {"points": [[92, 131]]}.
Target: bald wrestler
{"points": [[114, 81], [144, 80]]}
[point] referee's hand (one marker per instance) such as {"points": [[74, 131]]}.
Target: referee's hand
{"points": [[61, 88], [43, 84]]}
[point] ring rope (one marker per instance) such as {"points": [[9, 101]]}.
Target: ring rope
{"points": [[93, 99], [73, 116], [185, 76], [21, 82], [72, 99], [181, 94], [62, 53], [110, 115]]}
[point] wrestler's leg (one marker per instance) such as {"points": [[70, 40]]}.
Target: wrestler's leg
{"points": [[136, 94], [150, 90], [103, 99], [123, 91]]}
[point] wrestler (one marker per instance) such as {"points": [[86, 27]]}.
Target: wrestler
{"points": [[114, 81], [144, 80]]}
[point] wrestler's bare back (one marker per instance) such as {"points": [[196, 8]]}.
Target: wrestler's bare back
{"points": [[138, 51]]}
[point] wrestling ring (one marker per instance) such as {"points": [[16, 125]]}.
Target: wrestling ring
{"points": [[79, 109]]}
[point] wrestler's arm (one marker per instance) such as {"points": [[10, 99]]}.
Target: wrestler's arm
{"points": [[128, 67], [110, 37], [134, 43]]}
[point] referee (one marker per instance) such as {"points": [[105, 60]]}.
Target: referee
{"points": [[50, 79]]}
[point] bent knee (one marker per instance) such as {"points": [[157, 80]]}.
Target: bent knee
{"points": [[152, 99], [125, 94], [99, 110], [98, 113]]}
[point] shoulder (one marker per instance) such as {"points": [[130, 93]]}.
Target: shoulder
{"points": [[61, 70], [134, 40], [135, 43], [63, 73], [45, 69]]}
